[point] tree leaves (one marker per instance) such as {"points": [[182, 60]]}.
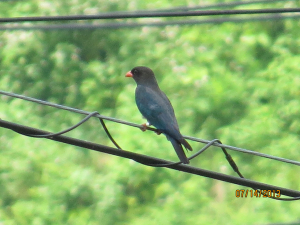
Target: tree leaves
{"points": [[236, 82]]}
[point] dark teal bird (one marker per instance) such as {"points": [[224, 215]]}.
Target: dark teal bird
{"points": [[155, 106]]}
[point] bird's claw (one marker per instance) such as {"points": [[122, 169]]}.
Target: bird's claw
{"points": [[144, 127]]}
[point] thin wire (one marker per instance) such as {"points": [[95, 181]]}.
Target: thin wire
{"points": [[150, 160], [211, 6], [129, 15], [108, 133], [217, 5], [64, 131], [222, 5], [148, 128], [51, 135], [117, 25], [228, 156]]}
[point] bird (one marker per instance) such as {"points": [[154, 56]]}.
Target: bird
{"points": [[155, 106]]}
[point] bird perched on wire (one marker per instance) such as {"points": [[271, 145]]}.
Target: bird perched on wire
{"points": [[157, 109]]}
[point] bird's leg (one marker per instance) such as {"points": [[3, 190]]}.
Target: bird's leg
{"points": [[144, 128], [147, 124]]}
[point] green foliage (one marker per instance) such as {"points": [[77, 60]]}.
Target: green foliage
{"points": [[236, 82]]}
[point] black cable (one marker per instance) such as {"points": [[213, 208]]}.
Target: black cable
{"points": [[64, 131], [217, 5], [128, 15], [148, 128], [77, 26], [222, 5], [212, 6], [150, 160], [108, 133], [228, 156]]}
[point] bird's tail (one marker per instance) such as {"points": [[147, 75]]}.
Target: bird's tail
{"points": [[186, 144], [179, 150]]}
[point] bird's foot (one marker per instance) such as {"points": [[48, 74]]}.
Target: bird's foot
{"points": [[144, 128]]}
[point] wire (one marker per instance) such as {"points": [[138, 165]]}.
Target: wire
{"points": [[222, 5], [108, 134], [64, 131], [150, 160], [211, 6], [190, 22], [217, 5], [128, 15], [148, 128], [228, 157], [77, 26]]}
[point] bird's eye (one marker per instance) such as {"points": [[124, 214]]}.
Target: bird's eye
{"points": [[135, 72]]}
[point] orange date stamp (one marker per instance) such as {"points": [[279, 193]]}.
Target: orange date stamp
{"points": [[245, 193]]}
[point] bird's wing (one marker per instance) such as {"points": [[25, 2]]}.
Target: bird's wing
{"points": [[169, 106], [157, 109], [148, 102]]}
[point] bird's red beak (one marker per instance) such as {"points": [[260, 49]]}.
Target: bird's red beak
{"points": [[128, 74]]}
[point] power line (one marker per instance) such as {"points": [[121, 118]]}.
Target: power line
{"points": [[223, 5], [77, 26], [153, 14], [216, 5], [148, 128], [141, 160], [150, 160]]}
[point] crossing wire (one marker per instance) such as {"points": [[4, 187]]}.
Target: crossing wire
{"points": [[118, 25], [146, 14], [14, 95], [151, 160]]}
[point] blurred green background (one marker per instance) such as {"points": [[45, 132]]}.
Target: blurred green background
{"points": [[238, 82]]}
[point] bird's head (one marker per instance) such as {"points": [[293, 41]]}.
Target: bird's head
{"points": [[142, 76]]}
